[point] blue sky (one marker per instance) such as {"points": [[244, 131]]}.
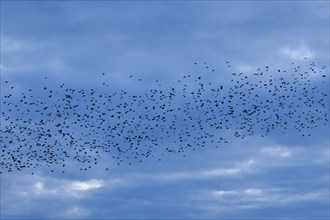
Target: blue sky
{"points": [[74, 42]]}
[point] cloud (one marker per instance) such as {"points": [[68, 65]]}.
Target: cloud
{"points": [[297, 53], [253, 191], [292, 156], [245, 68], [243, 192], [63, 196], [224, 202], [240, 169], [279, 177], [245, 178], [4, 68], [221, 172], [87, 185], [58, 188], [276, 151], [14, 45], [246, 192], [76, 41], [74, 212], [40, 190], [209, 173], [29, 57]]}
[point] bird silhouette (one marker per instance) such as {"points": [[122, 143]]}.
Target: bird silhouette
{"points": [[49, 126]]}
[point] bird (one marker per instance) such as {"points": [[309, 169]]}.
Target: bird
{"points": [[53, 125]]}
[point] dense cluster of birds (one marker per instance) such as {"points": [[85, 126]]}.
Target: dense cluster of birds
{"points": [[51, 125]]}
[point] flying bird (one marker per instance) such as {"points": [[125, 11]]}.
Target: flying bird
{"points": [[50, 126]]}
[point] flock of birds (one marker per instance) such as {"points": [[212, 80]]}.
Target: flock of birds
{"points": [[53, 125]]}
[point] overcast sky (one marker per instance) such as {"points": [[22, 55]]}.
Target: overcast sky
{"points": [[278, 176]]}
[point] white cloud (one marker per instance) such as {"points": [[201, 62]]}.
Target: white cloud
{"points": [[244, 68], [39, 189], [74, 212], [27, 191], [277, 151], [224, 192], [247, 192], [220, 201], [297, 53], [9, 44], [292, 156], [242, 167], [87, 185], [24, 56], [221, 172], [253, 191], [244, 181], [204, 174], [39, 185], [58, 188], [4, 68]]}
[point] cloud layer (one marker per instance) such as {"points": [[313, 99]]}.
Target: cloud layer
{"points": [[282, 176], [270, 177]]}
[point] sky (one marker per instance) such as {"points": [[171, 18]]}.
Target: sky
{"points": [[134, 43]]}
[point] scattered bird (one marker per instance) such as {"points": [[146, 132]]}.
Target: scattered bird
{"points": [[51, 126]]}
